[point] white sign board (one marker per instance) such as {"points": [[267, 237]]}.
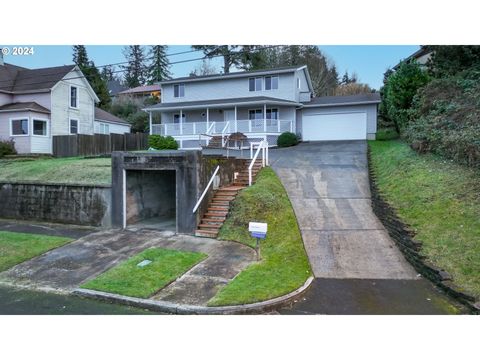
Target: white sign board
{"points": [[257, 227]]}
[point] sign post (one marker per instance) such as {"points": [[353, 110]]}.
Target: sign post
{"points": [[259, 232]]}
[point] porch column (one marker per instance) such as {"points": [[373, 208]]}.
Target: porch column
{"points": [[235, 119], [265, 117], [150, 122], [207, 119], [181, 122]]}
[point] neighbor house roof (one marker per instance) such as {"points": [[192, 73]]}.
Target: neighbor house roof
{"points": [[14, 79], [415, 56], [220, 103], [369, 98], [142, 89], [114, 87], [277, 70], [102, 115], [24, 106]]}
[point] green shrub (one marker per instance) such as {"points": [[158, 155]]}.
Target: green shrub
{"points": [[159, 142], [287, 139], [7, 147], [387, 134]]}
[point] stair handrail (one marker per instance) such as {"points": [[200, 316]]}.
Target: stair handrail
{"points": [[227, 126], [261, 146], [206, 189], [209, 130]]}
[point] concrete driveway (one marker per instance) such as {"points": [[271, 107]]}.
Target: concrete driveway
{"points": [[327, 183]]}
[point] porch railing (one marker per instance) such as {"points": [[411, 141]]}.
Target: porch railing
{"points": [[222, 127]]}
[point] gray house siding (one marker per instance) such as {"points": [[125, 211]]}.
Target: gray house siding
{"points": [[370, 109], [229, 88]]}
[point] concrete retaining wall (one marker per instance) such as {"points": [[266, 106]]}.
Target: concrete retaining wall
{"points": [[60, 203], [404, 238]]}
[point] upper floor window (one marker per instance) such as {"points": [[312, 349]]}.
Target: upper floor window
{"points": [[255, 84], [73, 126], [179, 90], [271, 82], [73, 97], [19, 127]]}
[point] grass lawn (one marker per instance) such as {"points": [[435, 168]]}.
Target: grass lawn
{"points": [[440, 200], [131, 280], [284, 266], [18, 247], [64, 170], [387, 134]]}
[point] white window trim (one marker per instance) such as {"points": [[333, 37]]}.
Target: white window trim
{"points": [[70, 126], [299, 83], [47, 127], [179, 96], [70, 97], [105, 126], [20, 118], [262, 78]]}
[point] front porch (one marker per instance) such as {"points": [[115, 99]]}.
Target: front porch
{"points": [[193, 126]]}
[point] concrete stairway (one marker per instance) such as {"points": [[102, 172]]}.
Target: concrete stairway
{"points": [[219, 206]]}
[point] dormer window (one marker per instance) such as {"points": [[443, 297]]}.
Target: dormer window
{"points": [[271, 82], [179, 90], [74, 97]]}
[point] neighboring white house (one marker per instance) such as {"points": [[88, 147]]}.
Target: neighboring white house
{"points": [[36, 104], [106, 123], [260, 104]]}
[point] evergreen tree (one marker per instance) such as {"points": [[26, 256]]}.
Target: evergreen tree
{"points": [[107, 73], [135, 73], [159, 66], [92, 74]]}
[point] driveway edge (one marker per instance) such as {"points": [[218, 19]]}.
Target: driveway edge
{"points": [[403, 237], [174, 308]]}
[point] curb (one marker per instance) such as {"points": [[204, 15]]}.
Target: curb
{"points": [[174, 308]]}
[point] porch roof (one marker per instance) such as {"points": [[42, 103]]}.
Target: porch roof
{"points": [[221, 103]]}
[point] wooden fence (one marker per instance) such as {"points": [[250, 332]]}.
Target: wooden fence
{"points": [[98, 144]]}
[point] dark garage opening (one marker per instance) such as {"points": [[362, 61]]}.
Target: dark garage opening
{"points": [[151, 199]]}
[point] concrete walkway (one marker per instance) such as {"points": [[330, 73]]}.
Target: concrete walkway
{"points": [[348, 247], [66, 268]]}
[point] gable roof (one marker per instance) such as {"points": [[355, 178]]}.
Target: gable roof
{"points": [[368, 98], [235, 74], [24, 106], [15, 79], [102, 115]]}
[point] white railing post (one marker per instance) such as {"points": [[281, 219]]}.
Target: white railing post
{"points": [[250, 125], [206, 189], [265, 117], [166, 127], [150, 121], [291, 126], [236, 125], [194, 129], [278, 125], [181, 122], [260, 148]]}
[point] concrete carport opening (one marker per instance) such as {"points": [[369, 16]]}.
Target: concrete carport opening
{"points": [[151, 200]]}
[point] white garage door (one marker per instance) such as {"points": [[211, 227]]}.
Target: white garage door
{"points": [[338, 126]]}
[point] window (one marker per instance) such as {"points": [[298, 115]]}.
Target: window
{"points": [[176, 118], [255, 114], [73, 126], [271, 82], [104, 128], [255, 84], [19, 127], [39, 127], [272, 114], [73, 97], [298, 83], [179, 90]]}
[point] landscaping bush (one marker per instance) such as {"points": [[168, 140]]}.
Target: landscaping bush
{"points": [[159, 142], [7, 147], [287, 139]]}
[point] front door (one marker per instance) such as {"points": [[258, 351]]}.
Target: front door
{"points": [[229, 115]]}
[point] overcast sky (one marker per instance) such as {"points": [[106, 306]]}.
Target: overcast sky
{"points": [[369, 62]]}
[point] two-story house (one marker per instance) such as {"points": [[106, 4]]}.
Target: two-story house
{"points": [[36, 104], [261, 104]]}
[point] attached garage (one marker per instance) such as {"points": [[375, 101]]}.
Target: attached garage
{"points": [[330, 118]]}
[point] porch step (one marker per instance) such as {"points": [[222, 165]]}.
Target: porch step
{"points": [[207, 233], [210, 226]]}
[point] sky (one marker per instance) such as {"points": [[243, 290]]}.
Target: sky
{"points": [[369, 62]]}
